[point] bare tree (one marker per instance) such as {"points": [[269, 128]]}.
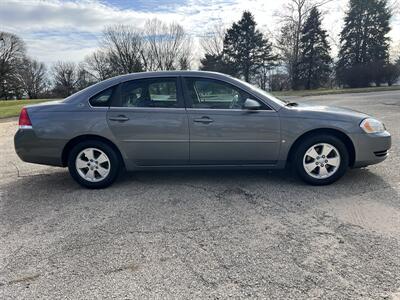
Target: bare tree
{"points": [[98, 65], [123, 45], [184, 63], [84, 78], [213, 42], [292, 18], [12, 51], [286, 46], [394, 7], [167, 46], [66, 78], [33, 77]]}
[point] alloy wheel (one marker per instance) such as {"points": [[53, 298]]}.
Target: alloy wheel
{"points": [[92, 164], [321, 161]]}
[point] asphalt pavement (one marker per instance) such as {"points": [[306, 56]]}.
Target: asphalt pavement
{"points": [[203, 234]]}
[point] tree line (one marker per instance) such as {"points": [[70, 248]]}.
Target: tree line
{"points": [[124, 49], [297, 57], [301, 58]]}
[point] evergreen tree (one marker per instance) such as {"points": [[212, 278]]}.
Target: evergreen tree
{"points": [[216, 63], [364, 43], [210, 62], [391, 73], [245, 48], [315, 62]]}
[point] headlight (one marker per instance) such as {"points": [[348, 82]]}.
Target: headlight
{"points": [[372, 126]]}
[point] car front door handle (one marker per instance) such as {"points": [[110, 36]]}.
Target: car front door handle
{"points": [[119, 118], [204, 120]]}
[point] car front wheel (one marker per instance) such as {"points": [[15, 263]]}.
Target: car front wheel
{"points": [[93, 164], [321, 160]]}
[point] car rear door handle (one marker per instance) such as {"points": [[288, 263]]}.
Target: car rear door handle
{"points": [[204, 120], [120, 118]]}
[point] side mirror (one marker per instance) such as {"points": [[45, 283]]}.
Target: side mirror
{"points": [[251, 104]]}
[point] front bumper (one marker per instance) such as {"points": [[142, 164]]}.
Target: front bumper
{"points": [[33, 149], [370, 149]]}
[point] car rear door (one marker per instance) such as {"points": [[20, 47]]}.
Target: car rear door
{"points": [[222, 132], [149, 121]]}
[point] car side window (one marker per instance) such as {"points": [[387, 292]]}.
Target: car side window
{"points": [[160, 92], [210, 93], [102, 99]]}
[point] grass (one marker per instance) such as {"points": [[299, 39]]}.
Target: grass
{"points": [[320, 92], [12, 108]]}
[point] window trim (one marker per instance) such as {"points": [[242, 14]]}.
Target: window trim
{"points": [[189, 102], [113, 95], [117, 103]]}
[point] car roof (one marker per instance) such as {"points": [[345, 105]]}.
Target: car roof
{"points": [[150, 74]]}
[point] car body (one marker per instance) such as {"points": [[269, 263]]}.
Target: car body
{"points": [[193, 119]]}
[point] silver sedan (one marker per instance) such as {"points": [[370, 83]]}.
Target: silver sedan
{"points": [[192, 119]]}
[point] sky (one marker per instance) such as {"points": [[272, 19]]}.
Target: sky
{"points": [[69, 30]]}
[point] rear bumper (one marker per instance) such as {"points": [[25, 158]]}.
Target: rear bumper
{"points": [[30, 148], [371, 149]]}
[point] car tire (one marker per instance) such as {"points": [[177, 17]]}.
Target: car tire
{"points": [[94, 164], [321, 160]]}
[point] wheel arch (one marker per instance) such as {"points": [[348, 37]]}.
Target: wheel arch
{"points": [[327, 131], [76, 140]]}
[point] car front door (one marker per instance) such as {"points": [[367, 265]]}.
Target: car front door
{"points": [[149, 120], [222, 132]]}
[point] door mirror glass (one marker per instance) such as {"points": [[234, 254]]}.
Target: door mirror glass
{"points": [[251, 104]]}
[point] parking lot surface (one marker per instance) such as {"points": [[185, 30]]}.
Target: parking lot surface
{"points": [[203, 234]]}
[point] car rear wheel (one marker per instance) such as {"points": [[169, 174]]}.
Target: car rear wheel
{"points": [[321, 160], [93, 164]]}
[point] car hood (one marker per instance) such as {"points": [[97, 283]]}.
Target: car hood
{"points": [[306, 110]]}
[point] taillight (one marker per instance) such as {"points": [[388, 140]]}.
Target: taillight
{"points": [[24, 121]]}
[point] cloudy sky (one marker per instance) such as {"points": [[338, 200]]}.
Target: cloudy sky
{"points": [[69, 30]]}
